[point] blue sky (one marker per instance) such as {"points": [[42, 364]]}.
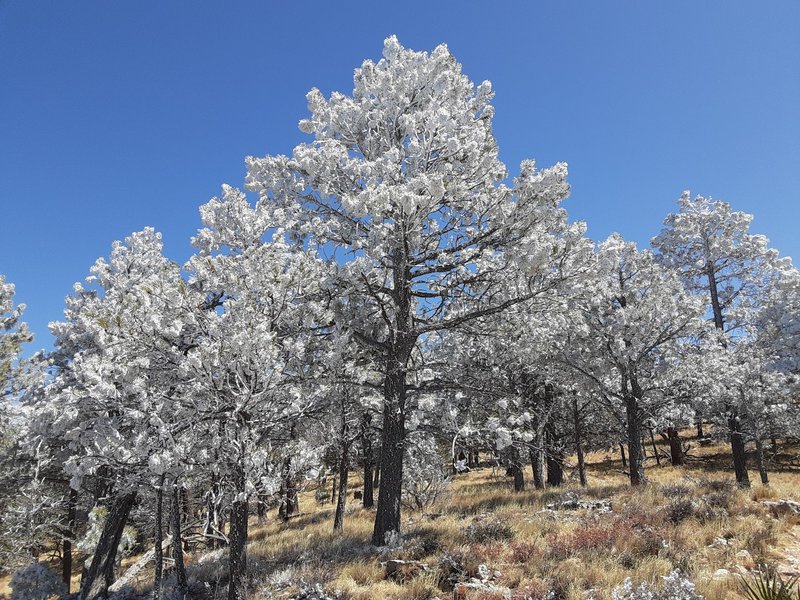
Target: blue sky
{"points": [[119, 115]]}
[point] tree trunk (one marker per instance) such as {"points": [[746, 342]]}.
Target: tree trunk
{"points": [[177, 543], [237, 550], [762, 467], [515, 466], [376, 480], [634, 427], [368, 497], [338, 519], [69, 534], [387, 515], [101, 571], [537, 467], [737, 449], [290, 504], [158, 551], [622, 454], [578, 430], [555, 468], [333, 489], [675, 447], [655, 448], [699, 424]]}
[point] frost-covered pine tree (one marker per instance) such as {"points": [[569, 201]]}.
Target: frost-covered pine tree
{"points": [[733, 270], [631, 335], [402, 185]]}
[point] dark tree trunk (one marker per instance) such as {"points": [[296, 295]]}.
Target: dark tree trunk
{"points": [[333, 490], [515, 466], [376, 479], [675, 447], [537, 467], [699, 425], [69, 534], [101, 571], [290, 504], [655, 448], [387, 515], [368, 498], [622, 454], [578, 429], [237, 550], [635, 454], [338, 519], [158, 556], [762, 466], [737, 449], [177, 542], [555, 468]]}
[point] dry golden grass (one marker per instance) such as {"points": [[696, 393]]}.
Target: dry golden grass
{"points": [[690, 517]]}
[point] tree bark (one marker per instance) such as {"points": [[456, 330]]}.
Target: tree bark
{"points": [[699, 424], [387, 515], [537, 467], [762, 467], [578, 430], [376, 479], [555, 468], [515, 466], [158, 550], [237, 550], [177, 543], [368, 497], [290, 504], [622, 454], [635, 457], [69, 534], [675, 447], [338, 519], [100, 574], [737, 449], [655, 448]]}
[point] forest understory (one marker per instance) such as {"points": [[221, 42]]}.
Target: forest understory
{"points": [[481, 540]]}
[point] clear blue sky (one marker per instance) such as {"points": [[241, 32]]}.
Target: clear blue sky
{"points": [[115, 115]]}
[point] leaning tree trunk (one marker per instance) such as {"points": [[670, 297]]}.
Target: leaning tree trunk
{"points": [[387, 515], [237, 549], [158, 550], [762, 466], [578, 429], [675, 447], [655, 448], [177, 542], [737, 449], [69, 534], [100, 575], [634, 431]]}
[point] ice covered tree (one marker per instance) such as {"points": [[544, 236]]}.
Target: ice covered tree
{"points": [[402, 186], [629, 337], [251, 359], [13, 334], [112, 412], [711, 246]]}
